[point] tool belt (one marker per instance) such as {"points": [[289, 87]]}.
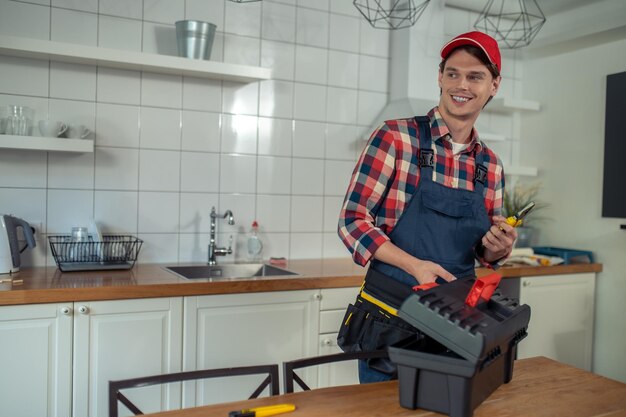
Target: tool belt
{"points": [[372, 322]]}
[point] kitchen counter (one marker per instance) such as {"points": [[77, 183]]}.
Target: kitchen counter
{"points": [[50, 285]]}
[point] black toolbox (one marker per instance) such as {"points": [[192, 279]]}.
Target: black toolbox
{"points": [[464, 354]]}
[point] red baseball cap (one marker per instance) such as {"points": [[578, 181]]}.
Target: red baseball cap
{"points": [[485, 42]]}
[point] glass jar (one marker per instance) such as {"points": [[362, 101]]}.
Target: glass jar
{"points": [[79, 246], [19, 120]]}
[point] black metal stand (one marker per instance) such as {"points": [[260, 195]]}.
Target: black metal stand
{"points": [[622, 226]]}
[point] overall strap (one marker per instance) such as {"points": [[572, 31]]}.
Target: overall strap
{"points": [[426, 154], [480, 173]]}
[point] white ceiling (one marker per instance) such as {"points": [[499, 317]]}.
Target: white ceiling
{"points": [[548, 7]]}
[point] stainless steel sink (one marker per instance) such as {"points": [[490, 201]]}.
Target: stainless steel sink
{"points": [[228, 271]]}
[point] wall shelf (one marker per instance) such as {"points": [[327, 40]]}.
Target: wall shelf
{"points": [[116, 58], [526, 171], [511, 105], [46, 144]]}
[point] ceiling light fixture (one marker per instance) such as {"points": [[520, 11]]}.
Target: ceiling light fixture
{"points": [[394, 14], [513, 24], [244, 1]]}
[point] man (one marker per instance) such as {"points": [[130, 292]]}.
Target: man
{"points": [[424, 202]]}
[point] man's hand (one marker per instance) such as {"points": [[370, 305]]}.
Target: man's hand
{"points": [[427, 271], [423, 271], [499, 239]]}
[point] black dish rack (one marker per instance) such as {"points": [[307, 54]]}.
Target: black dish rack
{"points": [[112, 252]]}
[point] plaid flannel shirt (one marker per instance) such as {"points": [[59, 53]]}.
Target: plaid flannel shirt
{"points": [[387, 175]]}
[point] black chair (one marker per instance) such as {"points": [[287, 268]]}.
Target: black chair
{"points": [[290, 367], [115, 386]]}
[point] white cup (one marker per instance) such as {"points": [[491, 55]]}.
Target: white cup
{"points": [[52, 129], [78, 132]]}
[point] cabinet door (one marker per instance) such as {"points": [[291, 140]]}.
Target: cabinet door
{"points": [[561, 319], [245, 329], [35, 360], [335, 374], [126, 339]]}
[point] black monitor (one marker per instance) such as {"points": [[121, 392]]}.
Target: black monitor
{"points": [[614, 185]]}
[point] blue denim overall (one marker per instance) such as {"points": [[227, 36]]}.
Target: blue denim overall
{"points": [[439, 224]]}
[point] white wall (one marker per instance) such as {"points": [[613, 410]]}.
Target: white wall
{"points": [[168, 148], [566, 139]]}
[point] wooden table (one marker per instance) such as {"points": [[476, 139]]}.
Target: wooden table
{"points": [[540, 387]]}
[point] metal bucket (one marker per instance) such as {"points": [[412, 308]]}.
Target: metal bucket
{"points": [[195, 38]]}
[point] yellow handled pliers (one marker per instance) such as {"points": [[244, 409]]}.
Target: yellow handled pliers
{"points": [[517, 219]]}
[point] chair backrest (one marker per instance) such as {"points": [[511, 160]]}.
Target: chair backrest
{"points": [[115, 386], [289, 367]]}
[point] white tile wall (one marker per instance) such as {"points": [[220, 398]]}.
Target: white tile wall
{"points": [[70, 170], [307, 177], [279, 22], [159, 212], [245, 21], [118, 86], [312, 26], [22, 19], [72, 81], [279, 57], [122, 8], [160, 128], [159, 170], [311, 64], [74, 27], [119, 33], [168, 148]]}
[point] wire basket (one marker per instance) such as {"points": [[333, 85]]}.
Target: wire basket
{"points": [[112, 252]]}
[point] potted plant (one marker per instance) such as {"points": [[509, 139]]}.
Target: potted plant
{"points": [[516, 198]]}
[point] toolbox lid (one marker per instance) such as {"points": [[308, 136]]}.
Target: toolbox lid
{"points": [[478, 334]]}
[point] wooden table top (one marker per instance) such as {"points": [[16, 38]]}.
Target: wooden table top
{"points": [[540, 387], [50, 285]]}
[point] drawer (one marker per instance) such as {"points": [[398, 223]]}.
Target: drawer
{"points": [[330, 321], [338, 298]]}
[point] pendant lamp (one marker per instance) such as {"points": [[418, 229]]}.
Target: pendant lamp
{"points": [[391, 14], [513, 23]]}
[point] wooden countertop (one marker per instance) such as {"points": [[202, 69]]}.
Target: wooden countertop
{"points": [[50, 285], [540, 387]]}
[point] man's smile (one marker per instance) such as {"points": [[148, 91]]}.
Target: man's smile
{"points": [[460, 99]]}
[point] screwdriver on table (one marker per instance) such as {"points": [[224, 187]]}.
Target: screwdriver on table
{"points": [[268, 410]]}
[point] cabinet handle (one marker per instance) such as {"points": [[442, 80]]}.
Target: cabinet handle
{"points": [[66, 311], [318, 296], [83, 310], [526, 283], [327, 342]]}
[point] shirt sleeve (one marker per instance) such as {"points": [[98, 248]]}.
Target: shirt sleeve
{"points": [[371, 179]]}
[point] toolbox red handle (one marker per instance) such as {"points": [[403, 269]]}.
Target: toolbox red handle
{"points": [[483, 288], [426, 286]]}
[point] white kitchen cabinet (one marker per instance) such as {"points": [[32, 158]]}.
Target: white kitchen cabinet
{"points": [[245, 329], [56, 360], [36, 360], [125, 339], [561, 319]]}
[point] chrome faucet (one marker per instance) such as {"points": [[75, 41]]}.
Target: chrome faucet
{"points": [[213, 249]]}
